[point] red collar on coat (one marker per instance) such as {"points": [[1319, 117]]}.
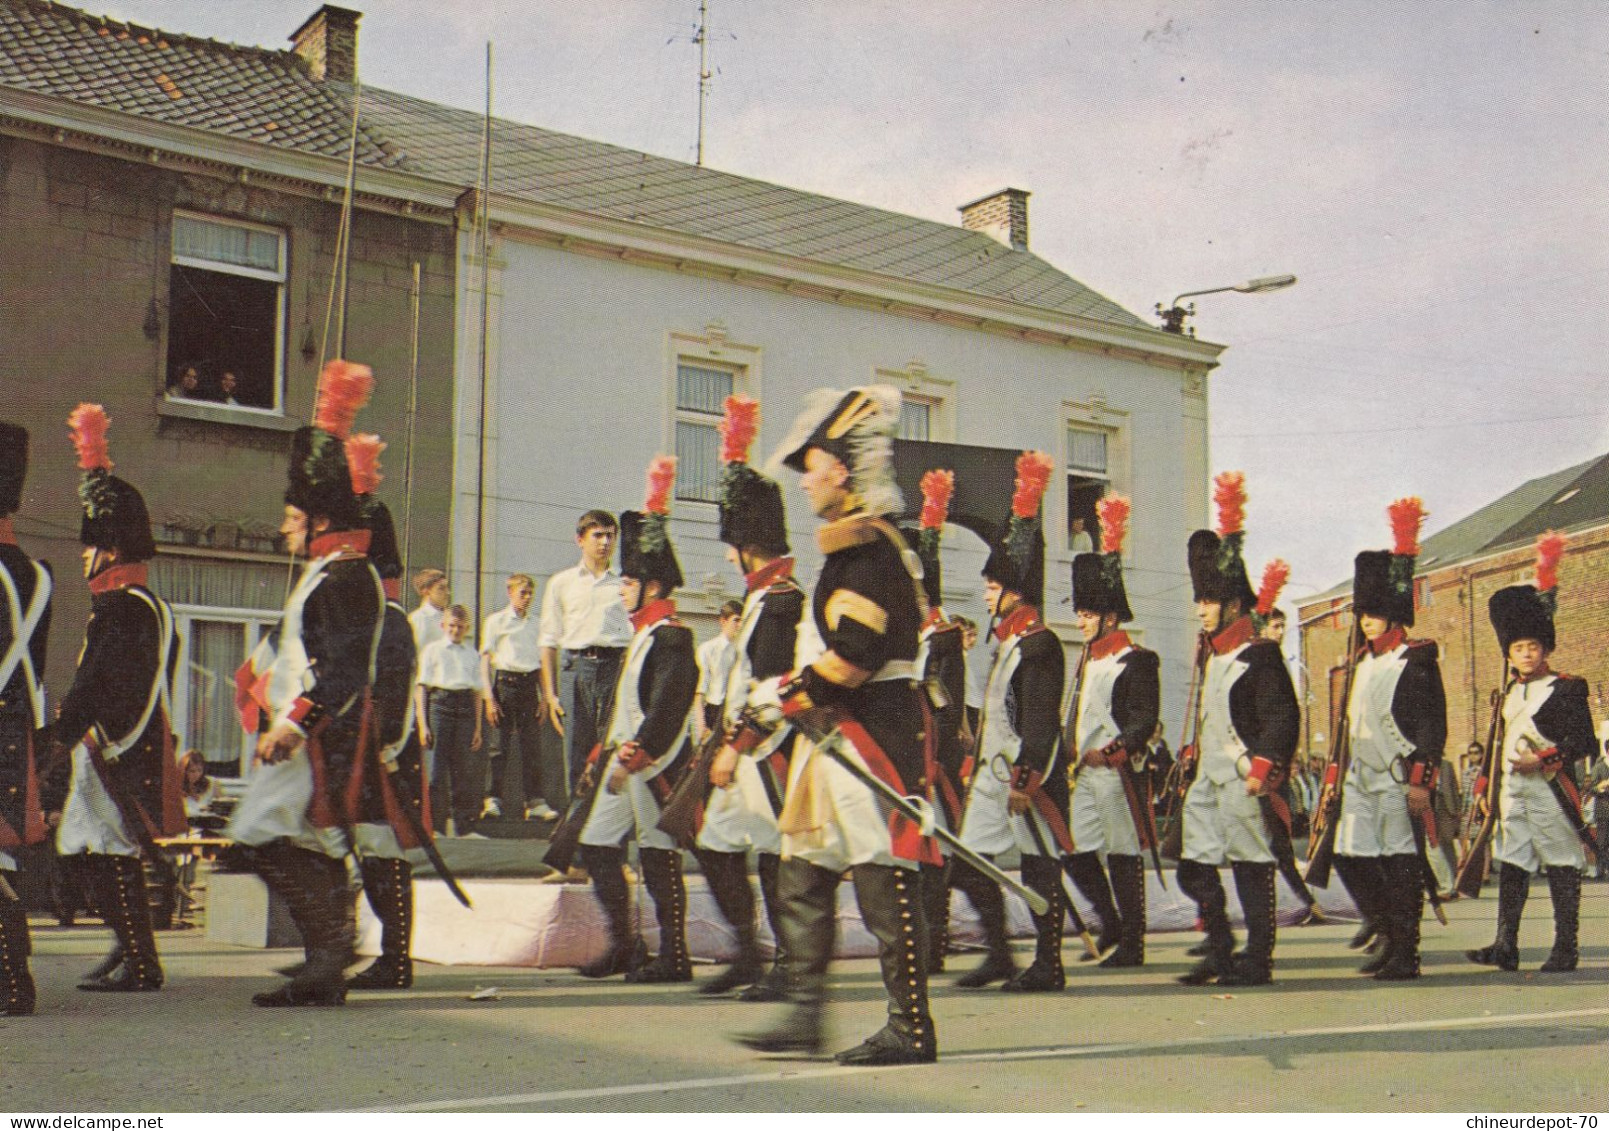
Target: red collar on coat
{"points": [[1388, 640], [1108, 645], [769, 574], [1228, 639], [8, 536], [117, 577], [1541, 673], [1017, 622], [339, 541], [662, 609]]}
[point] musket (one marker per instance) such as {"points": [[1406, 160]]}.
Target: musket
{"points": [[1572, 813], [567, 833], [1470, 869], [1183, 772], [1325, 823], [679, 817], [1424, 835]]}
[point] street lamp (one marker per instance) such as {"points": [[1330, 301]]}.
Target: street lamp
{"points": [[1173, 316]]}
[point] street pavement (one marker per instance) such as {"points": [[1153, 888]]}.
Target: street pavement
{"points": [[1322, 1038]]}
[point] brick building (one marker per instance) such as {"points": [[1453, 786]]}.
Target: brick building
{"points": [[1459, 569]]}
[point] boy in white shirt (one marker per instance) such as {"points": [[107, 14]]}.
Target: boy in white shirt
{"points": [[447, 705]]}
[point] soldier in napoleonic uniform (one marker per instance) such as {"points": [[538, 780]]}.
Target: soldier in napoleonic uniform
{"points": [[1547, 733], [860, 693], [292, 824], [394, 774], [745, 797], [124, 790], [25, 591], [1249, 725], [1396, 731], [1110, 724], [1018, 796], [941, 660], [648, 730]]}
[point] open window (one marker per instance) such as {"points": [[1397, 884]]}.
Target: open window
{"points": [[701, 391], [1088, 480]]}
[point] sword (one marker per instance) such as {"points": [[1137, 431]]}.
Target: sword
{"points": [[1423, 836], [407, 802], [1141, 813]]}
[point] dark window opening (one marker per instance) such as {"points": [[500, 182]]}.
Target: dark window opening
{"points": [[1082, 495], [223, 330]]}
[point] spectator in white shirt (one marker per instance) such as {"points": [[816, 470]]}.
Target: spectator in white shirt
{"points": [[447, 702], [434, 597], [715, 658], [511, 658], [585, 631]]}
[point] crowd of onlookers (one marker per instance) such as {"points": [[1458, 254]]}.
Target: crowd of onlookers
{"points": [[191, 384]]}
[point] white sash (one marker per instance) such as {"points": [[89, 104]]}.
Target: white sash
{"points": [[23, 627]]}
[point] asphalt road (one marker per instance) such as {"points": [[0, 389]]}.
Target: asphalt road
{"points": [[1323, 1038]]}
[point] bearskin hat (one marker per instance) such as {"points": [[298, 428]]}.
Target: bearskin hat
{"points": [[750, 503], [363, 458], [1526, 612], [1382, 581], [1217, 569], [1017, 559], [115, 516], [320, 481], [1098, 578], [646, 552]]}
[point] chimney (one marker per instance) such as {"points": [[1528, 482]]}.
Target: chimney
{"points": [[1002, 215], [328, 43]]}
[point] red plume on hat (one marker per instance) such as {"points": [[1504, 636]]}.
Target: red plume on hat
{"points": [[661, 477], [1229, 492], [1033, 476], [1113, 512], [738, 427], [1275, 574], [1407, 516], [343, 389], [1549, 549], [937, 487], [363, 458], [89, 423]]}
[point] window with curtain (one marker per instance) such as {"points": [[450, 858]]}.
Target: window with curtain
{"points": [[915, 419], [226, 312], [701, 392], [1088, 478]]}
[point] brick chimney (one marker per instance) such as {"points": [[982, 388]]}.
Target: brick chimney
{"points": [[328, 43], [1002, 215]]}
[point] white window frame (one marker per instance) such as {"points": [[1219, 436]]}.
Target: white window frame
{"points": [[919, 386], [1093, 416], [280, 276], [711, 349], [253, 624]]}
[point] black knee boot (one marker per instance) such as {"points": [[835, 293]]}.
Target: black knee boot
{"points": [[1203, 885], [774, 986], [388, 885], [126, 907], [1128, 885], [1084, 869], [1254, 884], [936, 910], [808, 914], [16, 983], [990, 905], [891, 907], [1369, 883], [1044, 974], [1564, 885], [662, 875], [727, 874], [626, 951], [314, 888], [1404, 889], [84, 873], [1513, 888]]}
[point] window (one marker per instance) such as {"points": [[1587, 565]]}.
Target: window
{"points": [[226, 312], [915, 418], [1088, 478], [221, 609], [701, 392]]}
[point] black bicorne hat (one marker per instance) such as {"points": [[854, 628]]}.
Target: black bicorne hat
{"points": [[1098, 585], [1217, 570], [856, 427], [645, 550], [1382, 587], [751, 511], [13, 466]]}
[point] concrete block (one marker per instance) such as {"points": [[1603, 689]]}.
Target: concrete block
{"points": [[242, 911]]}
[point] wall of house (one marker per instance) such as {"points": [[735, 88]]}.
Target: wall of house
{"points": [[581, 379], [1455, 617], [87, 241]]}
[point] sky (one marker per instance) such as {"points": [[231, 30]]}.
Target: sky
{"points": [[1433, 172]]}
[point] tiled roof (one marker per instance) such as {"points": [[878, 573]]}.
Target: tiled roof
{"points": [[1569, 499], [268, 97]]}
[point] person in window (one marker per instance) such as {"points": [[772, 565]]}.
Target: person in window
{"points": [[228, 385], [1078, 538], [187, 385], [200, 791]]}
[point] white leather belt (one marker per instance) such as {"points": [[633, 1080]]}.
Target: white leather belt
{"points": [[895, 669]]}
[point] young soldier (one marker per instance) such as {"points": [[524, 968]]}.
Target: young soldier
{"points": [[1119, 698], [1247, 736], [649, 724], [25, 588], [125, 784], [746, 795], [859, 693], [391, 807], [941, 658], [1547, 729], [1396, 729], [291, 824], [1018, 796]]}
